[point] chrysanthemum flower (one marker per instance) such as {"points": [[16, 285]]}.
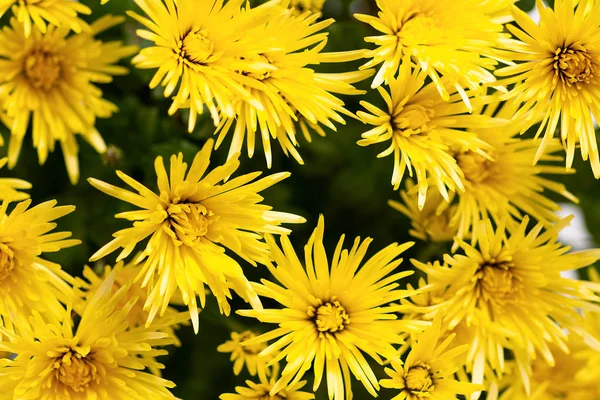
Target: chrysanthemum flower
{"points": [[260, 391], [190, 223], [421, 129], [40, 13], [244, 355], [9, 187], [428, 372], [557, 77], [200, 49], [510, 293], [454, 40], [333, 313], [27, 281], [100, 358], [48, 79], [286, 89]]}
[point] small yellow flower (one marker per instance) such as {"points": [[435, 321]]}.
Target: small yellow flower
{"points": [[245, 355], [9, 187], [300, 6], [27, 281], [333, 312], [556, 74], [38, 14], [48, 81], [190, 222], [428, 372], [101, 358]]}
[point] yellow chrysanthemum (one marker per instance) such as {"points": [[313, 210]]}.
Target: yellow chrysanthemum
{"points": [[262, 390], [454, 40], [190, 223], [557, 78], [428, 372], [202, 50], [423, 130], [245, 355], [9, 187], [286, 91], [100, 358], [333, 313], [27, 281], [48, 78], [300, 6], [37, 14], [510, 294]]}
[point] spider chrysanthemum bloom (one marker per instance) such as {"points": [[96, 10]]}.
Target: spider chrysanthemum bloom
{"points": [[558, 76], [10, 187], [201, 50], [428, 372], [509, 290], [48, 81], [421, 129], [100, 358], [190, 222], [38, 14], [245, 355], [333, 312], [454, 40], [288, 93], [27, 281]]}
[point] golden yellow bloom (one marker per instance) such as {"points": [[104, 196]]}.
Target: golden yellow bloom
{"points": [[428, 371], [510, 293], [27, 281], [333, 313], [556, 77], [9, 187], [422, 129], [202, 50], [190, 223], [48, 79], [454, 40], [286, 91], [245, 355], [300, 6], [260, 391], [101, 359], [33, 14]]}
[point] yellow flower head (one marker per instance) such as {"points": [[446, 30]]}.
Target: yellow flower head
{"points": [[456, 40], [190, 223], [286, 92], [9, 187], [428, 371], [38, 14], [332, 313], [100, 358], [556, 77], [48, 80], [510, 293], [300, 6], [262, 390], [27, 281], [200, 47], [421, 129], [245, 355]]}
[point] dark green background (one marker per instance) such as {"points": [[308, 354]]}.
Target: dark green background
{"points": [[341, 180]]}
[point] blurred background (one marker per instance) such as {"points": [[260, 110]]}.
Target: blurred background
{"points": [[341, 180]]}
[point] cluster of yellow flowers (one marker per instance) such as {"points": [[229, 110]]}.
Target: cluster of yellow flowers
{"points": [[461, 81]]}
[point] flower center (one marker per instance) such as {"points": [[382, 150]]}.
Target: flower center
{"points": [[498, 284], [74, 370], [574, 65], [197, 47], [42, 69], [418, 380], [188, 221], [7, 264], [252, 349], [412, 119], [476, 167], [329, 317]]}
